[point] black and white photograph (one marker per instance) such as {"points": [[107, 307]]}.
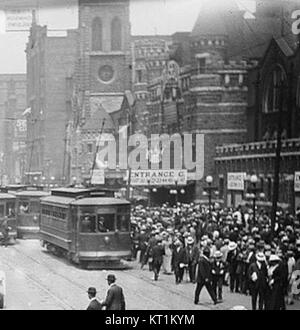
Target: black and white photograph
{"points": [[150, 157]]}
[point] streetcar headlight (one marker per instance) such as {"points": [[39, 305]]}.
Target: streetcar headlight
{"points": [[106, 239]]}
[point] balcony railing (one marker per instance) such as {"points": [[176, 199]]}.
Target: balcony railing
{"points": [[289, 147]]}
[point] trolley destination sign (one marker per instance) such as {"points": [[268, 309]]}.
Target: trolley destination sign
{"points": [[158, 177]]}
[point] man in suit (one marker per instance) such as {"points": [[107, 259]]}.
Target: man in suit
{"points": [[192, 253], [258, 275], [179, 260], [204, 277], [157, 257], [115, 298], [94, 304]]}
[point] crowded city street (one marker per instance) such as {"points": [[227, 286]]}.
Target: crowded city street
{"points": [[36, 279], [150, 155]]}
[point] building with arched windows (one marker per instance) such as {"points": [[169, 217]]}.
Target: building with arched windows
{"points": [[274, 86]]}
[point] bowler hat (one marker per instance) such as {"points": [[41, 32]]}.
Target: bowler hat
{"points": [[232, 246], [92, 290], [190, 240], [218, 254], [111, 277]]}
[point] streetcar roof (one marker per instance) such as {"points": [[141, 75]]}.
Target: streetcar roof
{"points": [[7, 196], [57, 199], [98, 201], [32, 193]]}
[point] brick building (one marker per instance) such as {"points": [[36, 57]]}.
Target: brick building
{"points": [[257, 156], [12, 127], [50, 64]]}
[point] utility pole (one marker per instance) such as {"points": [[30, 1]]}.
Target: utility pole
{"points": [[281, 87]]}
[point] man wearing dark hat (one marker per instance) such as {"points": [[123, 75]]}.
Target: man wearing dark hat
{"points": [[94, 303], [192, 252], [204, 277], [157, 253], [115, 298]]}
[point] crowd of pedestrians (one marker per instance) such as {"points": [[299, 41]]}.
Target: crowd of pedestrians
{"points": [[222, 246]]}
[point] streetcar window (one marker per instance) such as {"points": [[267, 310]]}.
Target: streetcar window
{"points": [[24, 207], [34, 207], [123, 222], [88, 223], [2, 211], [106, 222], [10, 209]]}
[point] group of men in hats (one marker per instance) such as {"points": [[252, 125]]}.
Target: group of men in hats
{"points": [[114, 300], [225, 245]]}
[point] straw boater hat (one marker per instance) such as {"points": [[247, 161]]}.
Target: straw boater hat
{"points": [[274, 258], [218, 255], [232, 246], [260, 256], [190, 240]]}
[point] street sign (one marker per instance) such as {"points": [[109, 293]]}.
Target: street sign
{"points": [[297, 182], [158, 177], [18, 19], [236, 181], [98, 177]]}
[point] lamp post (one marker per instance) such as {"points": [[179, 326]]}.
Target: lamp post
{"points": [[209, 190], [254, 180]]}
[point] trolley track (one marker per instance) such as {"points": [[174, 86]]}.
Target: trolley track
{"points": [[82, 287]]}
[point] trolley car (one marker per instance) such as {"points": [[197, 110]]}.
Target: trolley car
{"points": [[8, 217], [90, 227], [28, 212]]}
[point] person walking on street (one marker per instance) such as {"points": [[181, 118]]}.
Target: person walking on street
{"points": [[218, 272], [204, 277], [94, 304], [257, 274], [157, 257], [192, 253], [179, 261], [115, 298]]}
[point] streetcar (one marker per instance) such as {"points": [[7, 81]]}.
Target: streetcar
{"points": [[88, 226], [8, 217], [28, 212]]}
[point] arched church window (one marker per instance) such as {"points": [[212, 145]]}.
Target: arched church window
{"points": [[275, 81], [116, 34], [97, 34]]}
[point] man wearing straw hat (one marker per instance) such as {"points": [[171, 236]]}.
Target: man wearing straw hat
{"points": [[258, 275]]}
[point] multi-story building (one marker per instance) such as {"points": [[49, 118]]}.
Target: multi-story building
{"points": [[50, 65], [12, 127], [102, 77], [276, 78]]}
